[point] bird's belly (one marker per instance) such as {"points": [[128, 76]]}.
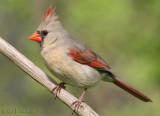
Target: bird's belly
{"points": [[71, 72]]}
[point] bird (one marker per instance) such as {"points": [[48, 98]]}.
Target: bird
{"points": [[72, 61]]}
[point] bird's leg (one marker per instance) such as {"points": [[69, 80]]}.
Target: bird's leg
{"points": [[78, 102], [58, 88]]}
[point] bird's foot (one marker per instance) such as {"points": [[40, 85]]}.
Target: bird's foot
{"points": [[58, 88], [77, 104]]}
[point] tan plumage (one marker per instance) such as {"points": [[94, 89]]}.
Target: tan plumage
{"points": [[72, 61]]}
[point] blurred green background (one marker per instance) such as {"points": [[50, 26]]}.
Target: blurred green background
{"points": [[124, 32]]}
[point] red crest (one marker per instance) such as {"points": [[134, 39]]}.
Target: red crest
{"points": [[49, 12]]}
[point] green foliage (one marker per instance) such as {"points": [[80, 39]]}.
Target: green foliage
{"points": [[124, 32]]}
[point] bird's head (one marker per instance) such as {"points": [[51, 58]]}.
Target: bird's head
{"points": [[47, 30]]}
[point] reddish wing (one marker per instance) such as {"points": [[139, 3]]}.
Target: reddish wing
{"points": [[89, 58]]}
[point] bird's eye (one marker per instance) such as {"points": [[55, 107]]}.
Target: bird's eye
{"points": [[45, 32]]}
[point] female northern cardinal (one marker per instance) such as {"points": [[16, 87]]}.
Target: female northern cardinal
{"points": [[72, 61]]}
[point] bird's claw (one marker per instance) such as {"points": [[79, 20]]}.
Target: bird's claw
{"points": [[58, 88], [77, 104]]}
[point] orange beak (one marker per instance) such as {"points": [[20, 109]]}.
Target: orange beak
{"points": [[35, 37]]}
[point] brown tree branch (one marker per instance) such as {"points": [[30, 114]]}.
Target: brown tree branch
{"points": [[38, 75]]}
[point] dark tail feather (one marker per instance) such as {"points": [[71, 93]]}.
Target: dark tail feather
{"points": [[122, 84]]}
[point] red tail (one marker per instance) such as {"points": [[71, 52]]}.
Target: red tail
{"points": [[130, 89]]}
